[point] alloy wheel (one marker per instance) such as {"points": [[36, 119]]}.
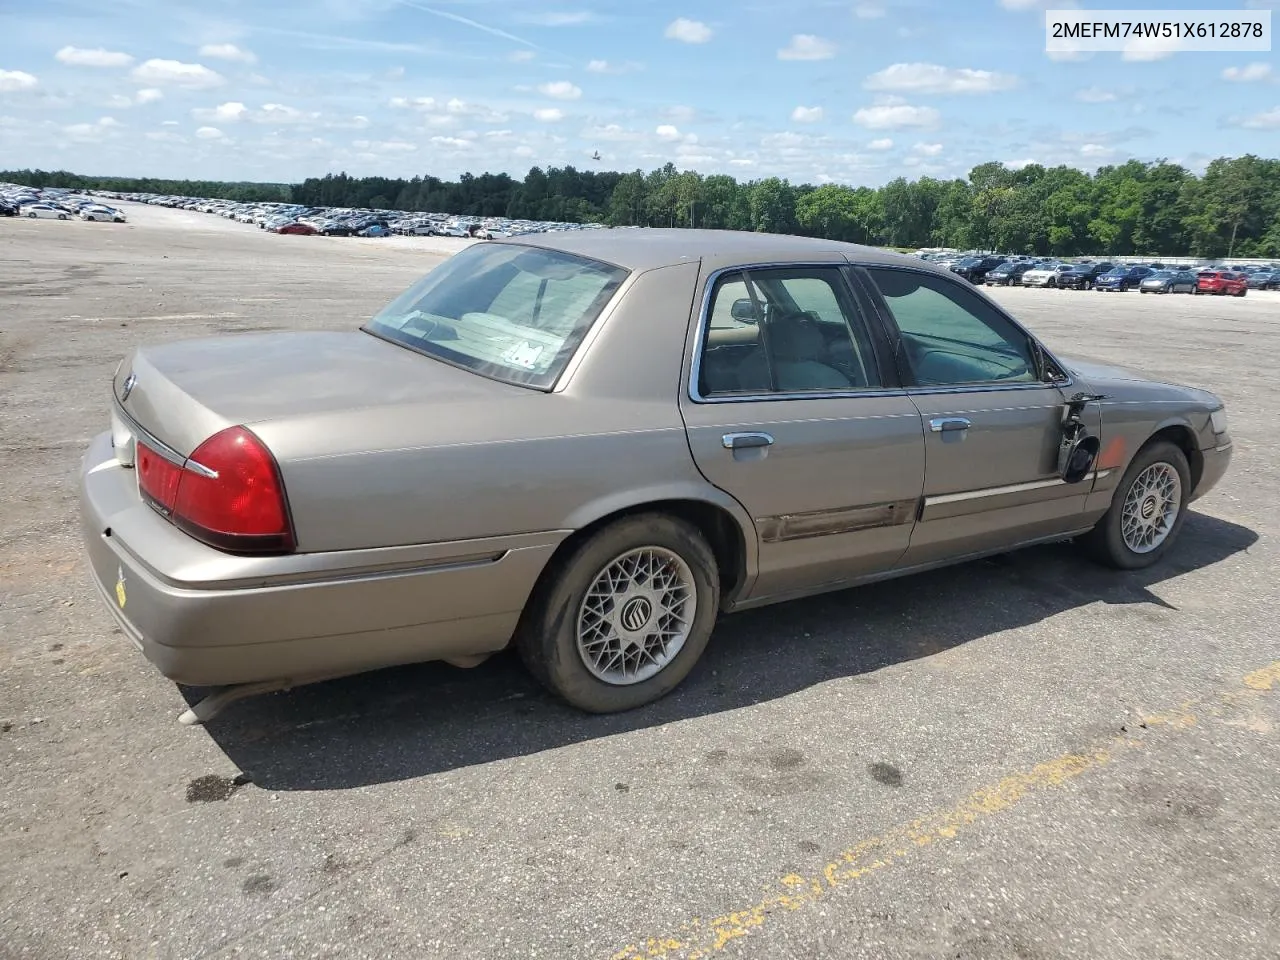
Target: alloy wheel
{"points": [[636, 615], [1151, 508]]}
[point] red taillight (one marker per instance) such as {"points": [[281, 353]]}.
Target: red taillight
{"points": [[228, 494], [157, 477]]}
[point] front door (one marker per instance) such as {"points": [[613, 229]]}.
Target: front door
{"points": [[792, 412], [992, 425]]}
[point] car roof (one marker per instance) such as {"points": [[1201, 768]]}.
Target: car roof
{"points": [[646, 248]]}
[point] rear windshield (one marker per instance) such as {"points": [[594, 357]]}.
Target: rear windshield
{"points": [[505, 311]]}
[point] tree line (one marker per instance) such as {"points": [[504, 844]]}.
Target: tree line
{"points": [[1133, 208]]}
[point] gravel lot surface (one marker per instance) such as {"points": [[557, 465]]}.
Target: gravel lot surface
{"points": [[1027, 757]]}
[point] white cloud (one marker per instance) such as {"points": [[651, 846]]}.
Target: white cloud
{"points": [[805, 46], [549, 115], [570, 18], [884, 143], [523, 151], [91, 132], [12, 81], [604, 66], [209, 133], [1096, 150], [928, 149], [891, 116], [560, 90], [668, 132], [932, 78], [680, 114], [1019, 164], [521, 56], [195, 76], [1095, 95], [1248, 73], [1267, 120], [119, 102], [98, 57], [228, 51], [397, 146], [149, 95], [868, 11], [166, 136], [230, 112], [688, 31], [806, 114]]}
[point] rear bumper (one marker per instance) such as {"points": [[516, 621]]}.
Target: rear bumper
{"points": [[205, 618]]}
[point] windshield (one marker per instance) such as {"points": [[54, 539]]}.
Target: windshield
{"points": [[505, 311], [1116, 272], [1160, 275]]}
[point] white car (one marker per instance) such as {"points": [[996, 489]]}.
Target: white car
{"points": [[1046, 276], [44, 211], [99, 214]]}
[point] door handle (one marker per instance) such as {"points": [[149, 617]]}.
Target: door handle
{"points": [[741, 441], [947, 424]]}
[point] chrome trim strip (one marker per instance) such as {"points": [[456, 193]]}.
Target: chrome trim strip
{"points": [[151, 440], [1223, 447], [993, 491], [704, 319]]}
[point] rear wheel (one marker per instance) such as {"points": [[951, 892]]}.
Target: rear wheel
{"points": [[1146, 512], [621, 620], [1243, 291]]}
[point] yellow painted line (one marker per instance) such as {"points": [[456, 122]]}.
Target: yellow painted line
{"points": [[699, 938], [1264, 679]]}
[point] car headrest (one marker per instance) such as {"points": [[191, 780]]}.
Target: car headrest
{"points": [[793, 336]]}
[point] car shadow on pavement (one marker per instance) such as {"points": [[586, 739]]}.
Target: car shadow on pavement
{"points": [[412, 721]]}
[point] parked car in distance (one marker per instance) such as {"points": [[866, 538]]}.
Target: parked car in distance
{"points": [[44, 211], [1121, 278], [974, 269], [1222, 283], [1264, 280], [1045, 274], [617, 467], [299, 228], [1008, 274], [375, 230], [1169, 281], [1082, 275]]}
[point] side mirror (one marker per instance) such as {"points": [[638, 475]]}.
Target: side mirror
{"points": [[1076, 457], [1078, 449], [743, 309]]}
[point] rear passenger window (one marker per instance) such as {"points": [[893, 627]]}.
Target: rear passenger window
{"points": [[785, 330]]}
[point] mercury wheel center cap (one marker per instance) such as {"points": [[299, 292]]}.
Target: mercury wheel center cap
{"points": [[1149, 507], [635, 614]]}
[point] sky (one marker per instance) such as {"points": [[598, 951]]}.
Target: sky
{"points": [[817, 91]]}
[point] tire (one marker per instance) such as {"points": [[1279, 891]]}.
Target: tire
{"points": [[62, 216], [32, 216], [547, 637], [1106, 542], [1243, 292]]}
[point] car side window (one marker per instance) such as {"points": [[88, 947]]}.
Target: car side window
{"points": [[785, 330], [951, 336]]}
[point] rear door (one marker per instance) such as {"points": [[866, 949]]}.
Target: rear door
{"points": [[992, 426], [792, 407]]}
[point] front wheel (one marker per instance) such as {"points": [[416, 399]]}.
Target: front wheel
{"points": [[1146, 512], [621, 620]]}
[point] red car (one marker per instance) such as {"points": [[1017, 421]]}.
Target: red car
{"points": [[305, 229], [1222, 282]]}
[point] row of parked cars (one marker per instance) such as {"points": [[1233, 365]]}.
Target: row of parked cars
{"points": [[50, 204], [1107, 275], [291, 218]]}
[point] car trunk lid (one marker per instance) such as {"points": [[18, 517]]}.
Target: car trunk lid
{"points": [[184, 392]]}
